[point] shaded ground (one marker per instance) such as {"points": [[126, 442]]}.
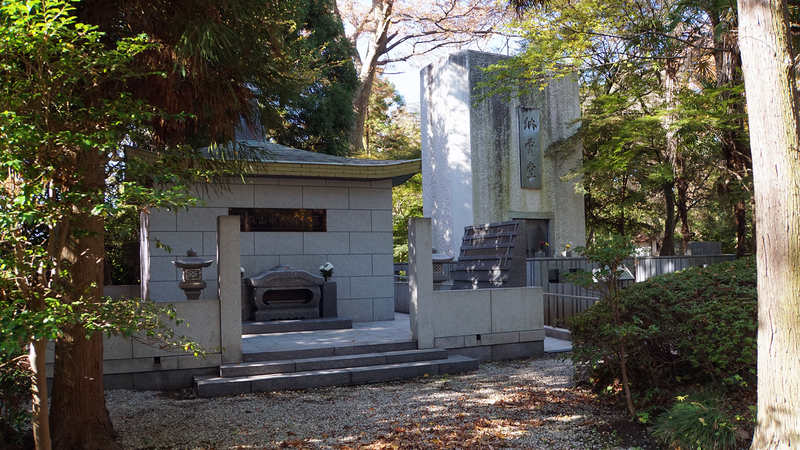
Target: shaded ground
{"points": [[521, 404]]}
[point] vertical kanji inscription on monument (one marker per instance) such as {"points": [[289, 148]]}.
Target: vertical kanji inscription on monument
{"points": [[530, 148]]}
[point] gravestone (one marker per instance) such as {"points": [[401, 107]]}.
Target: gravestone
{"points": [[488, 159], [284, 292]]}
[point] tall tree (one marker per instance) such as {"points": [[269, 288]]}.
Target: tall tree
{"points": [[734, 140], [66, 113], [610, 44], [393, 132], [773, 107], [320, 115], [624, 162], [393, 31], [284, 68]]}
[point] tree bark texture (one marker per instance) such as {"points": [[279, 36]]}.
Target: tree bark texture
{"points": [[668, 244], [382, 15], [671, 87], [682, 186], [79, 419], [772, 103], [41, 418], [735, 148]]}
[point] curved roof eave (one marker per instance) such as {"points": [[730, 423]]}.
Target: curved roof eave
{"points": [[290, 162]]}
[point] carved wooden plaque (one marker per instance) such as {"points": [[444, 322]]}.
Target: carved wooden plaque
{"points": [[281, 219]]}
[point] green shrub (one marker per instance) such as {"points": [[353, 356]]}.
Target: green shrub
{"points": [[694, 327], [697, 423], [15, 395]]}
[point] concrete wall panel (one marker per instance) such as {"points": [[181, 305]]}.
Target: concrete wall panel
{"points": [[516, 309], [459, 313]]}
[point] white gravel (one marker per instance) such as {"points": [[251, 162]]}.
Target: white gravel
{"points": [[523, 404]]}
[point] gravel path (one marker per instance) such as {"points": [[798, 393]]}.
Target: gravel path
{"points": [[520, 404]]}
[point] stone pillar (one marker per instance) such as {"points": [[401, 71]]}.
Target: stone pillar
{"points": [[144, 254], [229, 278], [420, 281]]}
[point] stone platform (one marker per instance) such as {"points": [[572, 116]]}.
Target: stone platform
{"points": [[288, 326]]}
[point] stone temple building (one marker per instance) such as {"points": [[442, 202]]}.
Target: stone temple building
{"points": [[349, 199]]}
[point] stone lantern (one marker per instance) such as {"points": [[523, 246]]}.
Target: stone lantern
{"points": [[439, 274], [192, 266]]}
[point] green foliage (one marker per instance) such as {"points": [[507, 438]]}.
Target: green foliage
{"points": [[610, 253], [61, 124], [624, 165], [54, 119], [391, 131], [406, 203], [707, 117], [646, 135], [281, 69], [689, 328], [320, 116], [15, 393], [143, 321], [122, 247], [697, 422]]}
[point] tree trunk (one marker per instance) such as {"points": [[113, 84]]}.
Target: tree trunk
{"points": [[41, 422], [79, 418], [773, 108], [668, 244], [382, 15], [671, 87], [682, 186], [735, 149]]}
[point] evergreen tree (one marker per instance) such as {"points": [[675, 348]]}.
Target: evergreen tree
{"points": [[321, 116], [281, 69]]}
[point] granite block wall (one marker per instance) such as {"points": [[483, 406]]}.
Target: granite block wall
{"points": [[358, 240]]}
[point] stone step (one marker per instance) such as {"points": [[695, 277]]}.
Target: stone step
{"points": [[321, 352], [329, 362], [287, 326], [208, 386]]}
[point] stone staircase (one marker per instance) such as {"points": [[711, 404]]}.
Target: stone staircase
{"points": [[330, 366]]}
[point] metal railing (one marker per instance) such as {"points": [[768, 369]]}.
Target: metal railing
{"points": [[558, 307], [563, 299]]}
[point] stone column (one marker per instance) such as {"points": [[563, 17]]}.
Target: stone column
{"points": [[229, 278], [144, 254], [420, 281]]}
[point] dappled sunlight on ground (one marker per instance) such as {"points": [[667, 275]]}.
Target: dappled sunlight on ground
{"points": [[525, 404]]}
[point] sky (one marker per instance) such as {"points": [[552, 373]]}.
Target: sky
{"points": [[407, 84]]}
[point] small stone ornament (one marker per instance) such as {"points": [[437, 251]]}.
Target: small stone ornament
{"points": [[192, 266]]}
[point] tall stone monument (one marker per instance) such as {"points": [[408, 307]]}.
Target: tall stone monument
{"points": [[497, 159]]}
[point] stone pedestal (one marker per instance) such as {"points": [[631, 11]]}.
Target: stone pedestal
{"points": [[327, 302], [248, 309]]}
